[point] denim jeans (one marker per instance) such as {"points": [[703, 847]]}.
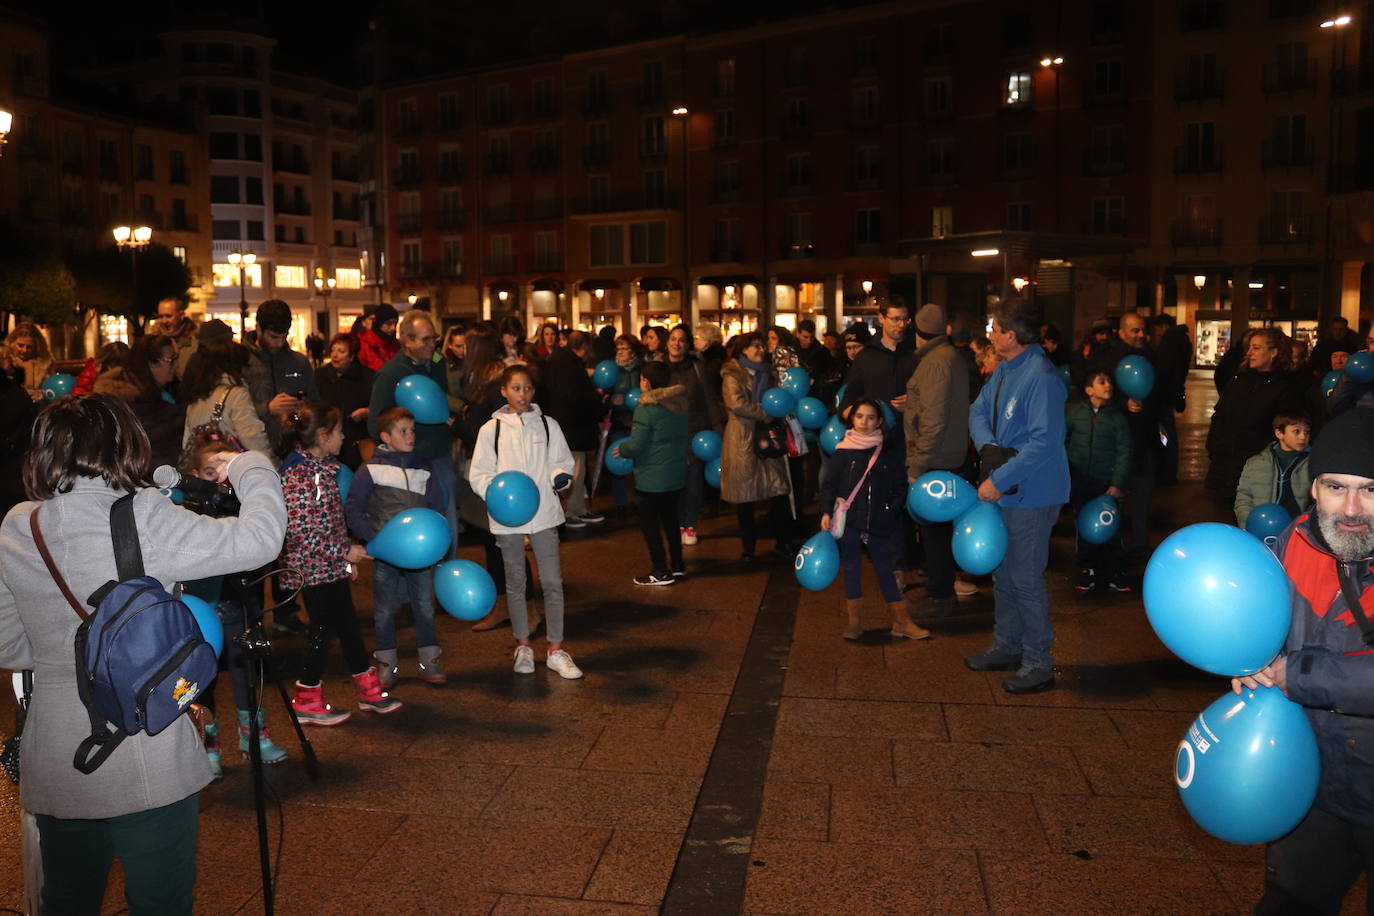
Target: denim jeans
{"points": [[1021, 621], [447, 476], [880, 551], [390, 585]]}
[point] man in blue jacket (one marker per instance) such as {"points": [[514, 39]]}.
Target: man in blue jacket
{"points": [[1017, 424], [1327, 667]]}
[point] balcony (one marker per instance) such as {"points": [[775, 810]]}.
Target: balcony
{"points": [[1354, 80], [1196, 15], [452, 170], [498, 264], [450, 220], [1285, 153], [407, 176], [650, 152], [543, 110], [1196, 233], [596, 157], [796, 129], [866, 181], [726, 194], [797, 251], [1197, 160], [31, 148], [406, 127], [182, 222], [292, 164], [1101, 166], [410, 223], [496, 164], [543, 159], [346, 214], [1285, 230], [344, 174], [1199, 89], [537, 210], [497, 214], [1290, 79], [624, 203], [864, 247], [291, 206], [864, 120], [727, 253], [445, 124], [1351, 178], [496, 114], [546, 262]]}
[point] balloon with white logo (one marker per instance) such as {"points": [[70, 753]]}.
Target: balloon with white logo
{"points": [[1099, 520], [940, 496]]}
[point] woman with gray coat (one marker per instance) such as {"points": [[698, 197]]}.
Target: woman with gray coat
{"points": [[745, 478], [140, 805]]}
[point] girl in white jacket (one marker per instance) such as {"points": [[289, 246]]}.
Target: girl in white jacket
{"points": [[518, 437]]}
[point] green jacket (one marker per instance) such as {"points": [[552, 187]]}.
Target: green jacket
{"points": [[1259, 483], [1098, 442], [658, 440], [432, 440]]}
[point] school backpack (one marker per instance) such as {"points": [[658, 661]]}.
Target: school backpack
{"points": [[141, 658]]}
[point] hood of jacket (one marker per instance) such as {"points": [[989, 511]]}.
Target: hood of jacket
{"points": [[671, 397], [310, 463], [116, 382], [506, 414], [384, 455]]}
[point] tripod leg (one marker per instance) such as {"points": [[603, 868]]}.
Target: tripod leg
{"points": [[312, 763], [259, 790]]}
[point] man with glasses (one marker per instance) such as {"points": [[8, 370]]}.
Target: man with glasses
{"points": [[882, 368], [434, 441]]}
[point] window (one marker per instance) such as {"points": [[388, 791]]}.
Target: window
{"points": [[798, 67], [1289, 143], [607, 244], [407, 116], [541, 98], [941, 220], [177, 169], [252, 190], [451, 200], [1200, 146], [252, 103], [410, 165], [254, 232], [498, 104], [110, 204], [1107, 79], [727, 245], [1018, 94], [653, 139], [180, 220], [864, 108], [868, 226], [651, 81], [1016, 32], [1199, 78], [225, 229], [289, 276], [940, 40], [144, 162], [451, 256], [224, 145], [228, 274], [725, 127], [649, 243], [798, 235], [939, 97], [252, 147], [179, 252], [598, 192], [866, 53], [798, 121], [725, 76], [301, 238], [546, 251], [224, 189], [348, 278], [410, 258], [498, 154], [1017, 156], [1291, 60], [655, 189], [799, 173], [1107, 215], [448, 111], [727, 180], [1107, 149], [1019, 216], [596, 90], [221, 100], [868, 165], [450, 164], [940, 160], [502, 258]]}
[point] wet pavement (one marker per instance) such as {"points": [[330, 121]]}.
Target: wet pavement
{"points": [[728, 752]]}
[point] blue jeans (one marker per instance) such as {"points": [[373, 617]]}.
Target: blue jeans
{"points": [[1021, 621], [389, 585], [447, 475], [880, 552]]}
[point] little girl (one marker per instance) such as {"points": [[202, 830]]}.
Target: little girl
{"points": [[319, 554], [518, 437], [227, 595], [869, 473]]}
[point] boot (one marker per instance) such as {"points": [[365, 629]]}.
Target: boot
{"points": [[212, 749], [495, 617], [371, 696], [430, 672], [311, 708], [386, 666], [270, 752], [902, 625], [854, 629]]}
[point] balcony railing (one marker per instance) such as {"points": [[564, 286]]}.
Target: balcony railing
{"points": [[410, 223], [546, 262], [1195, 15], [496, 214], [797, 251], [543, 209], [1285, 230], [727, 254], [452, 170], [496, 164], [291, 206], [406, 127], [448, 123], [1290, 79], [1196, 233], [543, 159], [448, 220], [625, 202], [1284, 153], [1196, 160], [407, 176], [1102, 165], [498, 264], [794, 129], [1199, 89], [596, 157]]}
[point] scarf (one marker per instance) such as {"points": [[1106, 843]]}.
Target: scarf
{"points": [[855, 439], [760, 377]]}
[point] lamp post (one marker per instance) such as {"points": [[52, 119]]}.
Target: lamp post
{"points": [[1054, 62], [6, 123], [242, 260], [325, 288], [133, 239], [1336, 26], [681, 113]]}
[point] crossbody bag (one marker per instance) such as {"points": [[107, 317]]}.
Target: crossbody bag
{"points": [[840, 513]]}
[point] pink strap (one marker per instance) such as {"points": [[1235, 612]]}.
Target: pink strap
{"points": [[872, 461]]}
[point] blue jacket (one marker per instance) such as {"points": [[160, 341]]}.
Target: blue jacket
{"points": [[388, 484], [1030, 399]]}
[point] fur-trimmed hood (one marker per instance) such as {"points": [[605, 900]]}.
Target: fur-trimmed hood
{"points": [[670, 397], [116, 382]]}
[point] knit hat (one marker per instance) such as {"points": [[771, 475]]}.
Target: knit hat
{"points": [[930, 320], [385, 312], [214, 330], [1101, 325], [1345, 445]]}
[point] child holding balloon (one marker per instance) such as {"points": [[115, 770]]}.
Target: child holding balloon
{"points": [[1278, 474], [321, 559], [393, 480], [519, 437], [864, 490], [1098, 443]]}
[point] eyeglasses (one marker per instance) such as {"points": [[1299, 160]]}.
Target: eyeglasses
{"points": [[905, 319], [165, 360], [429, 338]]}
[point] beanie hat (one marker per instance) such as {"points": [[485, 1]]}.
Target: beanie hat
{"points": [[1102, 324], [214, 330], [385, 312], [930, 320], [275, 316], [1345, 445]]}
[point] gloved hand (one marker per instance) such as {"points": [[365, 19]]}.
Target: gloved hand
{"points": [[561, 482]]}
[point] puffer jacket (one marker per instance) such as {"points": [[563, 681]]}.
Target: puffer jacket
{"points": [[879, 504], [162, 419], [658, 440], [744, 476], [387, 484], [1330, 669], [935, 419], [523, 447], [1259, 483], [375, 350], [317, 542], [1098, 442]]}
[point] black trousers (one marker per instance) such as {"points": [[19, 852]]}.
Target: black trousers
{"points": [[331, 611], [1312, 869], [658, 520], [778, 522]]}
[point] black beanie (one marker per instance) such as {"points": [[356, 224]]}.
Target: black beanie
{"points": [[1345, 445], [385, 312]]}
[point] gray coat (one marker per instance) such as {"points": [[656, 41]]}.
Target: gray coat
{"points": [[744, 476], [936, 414], [37, 628]]}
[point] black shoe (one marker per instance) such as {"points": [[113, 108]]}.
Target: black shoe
{"points": [[655, 579], [1087, 580], [992, 660], [747, 557], [938, 607], [1029, 680], [679, 574]]}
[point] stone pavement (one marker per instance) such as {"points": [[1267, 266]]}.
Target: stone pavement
{"points": [[891, 779]]}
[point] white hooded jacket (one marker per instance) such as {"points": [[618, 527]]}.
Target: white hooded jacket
{"points": [[523, 448]]}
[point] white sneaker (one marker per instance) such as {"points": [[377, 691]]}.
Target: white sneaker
{"points": [[524, 660], [562, 662], [964, 589], [689, 536], [572, 521]]}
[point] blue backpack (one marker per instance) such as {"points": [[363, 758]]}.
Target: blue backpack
{"points": [[140, 656]]}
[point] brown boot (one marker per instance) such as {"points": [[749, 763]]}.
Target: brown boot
{"points": [[902, 625], [854, 629], [495, 617]]}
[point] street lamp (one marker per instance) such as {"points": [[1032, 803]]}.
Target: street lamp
{"points": [[1199, 281], [1055, 62], [133, 239], [867, 287], [412, 299], [243, 260], [680, 112], [1334, 130], [6, 122], [325, 287]]}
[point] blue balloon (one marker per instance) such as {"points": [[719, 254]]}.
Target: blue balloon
{"points": [[778, 402], [1247, 770], [706, 445], [1330, 380], [632, 398], [423, 397], [175, 495], [889, 415], [210, 625], [1267, 522], [345, 480], [940, 496], [712, 472], [464, 589], [614, 463], [796, 381], [606, 374], [811, 413], [512, 498], [831, 434], [1217, 598], [1135, 377], [818, 562], [1360, 366], [1099, 520], [980, 539], [413, 539], [1065, 375], [58, 385], [839, 395]]}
